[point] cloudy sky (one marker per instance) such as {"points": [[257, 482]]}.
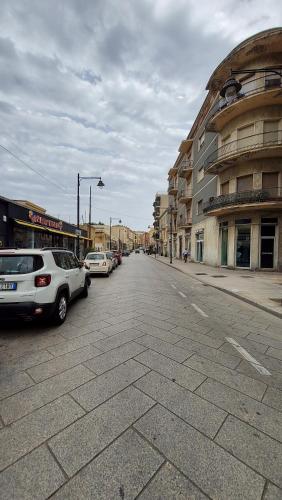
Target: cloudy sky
{"points": [[110, 88]]}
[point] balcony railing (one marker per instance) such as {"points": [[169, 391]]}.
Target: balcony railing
{"points": [[245, 197], [255, 86], [248, 144], [184, 221], [172, 187], [184, 194]]}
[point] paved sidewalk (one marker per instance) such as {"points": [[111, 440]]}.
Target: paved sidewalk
{"points": [[262, 289]]}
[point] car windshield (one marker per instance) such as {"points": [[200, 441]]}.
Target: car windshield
{"points": [[95, 256], [20, 264]]}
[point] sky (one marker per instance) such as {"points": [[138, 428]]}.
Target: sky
{"points": [[108, 88]]}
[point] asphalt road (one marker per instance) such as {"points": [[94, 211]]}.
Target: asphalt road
{"points": [[156, 387]]}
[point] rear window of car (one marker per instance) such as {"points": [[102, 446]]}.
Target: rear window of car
{"points": [[110, 255], [20, 264], [95, 256]]}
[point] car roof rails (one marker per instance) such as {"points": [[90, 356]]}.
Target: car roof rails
{"points": [[57, 248]]}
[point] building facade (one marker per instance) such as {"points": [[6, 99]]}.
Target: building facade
{"points": [[228, 204], [26, 225], [160, 206]]}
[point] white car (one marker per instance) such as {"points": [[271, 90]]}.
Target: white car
{"points": [[99, 263], [38, 283]]}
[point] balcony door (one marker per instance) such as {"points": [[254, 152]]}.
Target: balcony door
{"points": [[270, 183], [245, 137], [270, 132]]}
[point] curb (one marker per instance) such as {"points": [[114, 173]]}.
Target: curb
{"points": [[228, 292]]}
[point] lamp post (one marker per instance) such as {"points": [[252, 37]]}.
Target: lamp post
{"points": [[111, 220], [100, 184], [170, 210]]}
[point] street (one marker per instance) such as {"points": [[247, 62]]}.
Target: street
{"points": [[156, 387]]}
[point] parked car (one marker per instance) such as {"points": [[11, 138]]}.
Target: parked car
{"points": [[126, 253], [114, 258], [99, 263], [117, 254], [40, 283], [137, 251]]}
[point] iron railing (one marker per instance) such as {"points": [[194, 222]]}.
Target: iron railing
{"points": [[251, 196], [172, 185], [244, 145], [251, 87]]}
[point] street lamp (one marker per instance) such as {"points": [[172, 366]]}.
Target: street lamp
{"points": [[111, 219], [100, 184]]}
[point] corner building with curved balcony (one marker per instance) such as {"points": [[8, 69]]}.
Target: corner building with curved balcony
{"points": [[241, 172]]}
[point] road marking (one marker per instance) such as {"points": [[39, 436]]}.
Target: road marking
{"points": [[199, 310], [182, 294], [173, 286], [256, 364]]}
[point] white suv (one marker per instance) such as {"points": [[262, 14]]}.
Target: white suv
{"points": [[38, 283]]}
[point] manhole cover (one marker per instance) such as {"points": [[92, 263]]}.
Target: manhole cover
{"points": [[246, 276], [201, 274], [219, 276]]}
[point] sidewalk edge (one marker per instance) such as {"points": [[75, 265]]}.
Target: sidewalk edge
{"points": [[229, 292]]}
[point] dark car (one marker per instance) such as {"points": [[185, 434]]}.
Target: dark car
{"points": [[137, 251], [125, 253]]}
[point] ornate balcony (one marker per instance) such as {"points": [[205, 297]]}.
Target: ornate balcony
{"points": [[262, 91], [185, 169], [172, 187], [184, 222], [254, 146], [185, 195], [245, 200]]}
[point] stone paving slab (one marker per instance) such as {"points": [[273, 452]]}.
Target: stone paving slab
{"points": [[185, 404], [108, 384], [154, 331], [115, 357], [220, 475], [117, 340], [215, 355], [199, 337], [35, 476], [24, 362], [181, 375], [170, 484], [272, 493], [249, 345], [121, 471], [274, 380], [62, 363], [254, 448], [171, 351], [81, 442], [33, 430], [276, 353], [73, 345], [11, 384], [38, 395], [266, 340], [264, 418], [120, 327], [231, 378], [273, 397], [159, 323]]}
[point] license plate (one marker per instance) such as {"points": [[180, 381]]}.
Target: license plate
{"points": [[8, 286], [95, 264]]}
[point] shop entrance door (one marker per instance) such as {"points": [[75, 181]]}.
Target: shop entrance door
{"points": [[224, 246], [180, 247], [243, 246], [267, 246]]}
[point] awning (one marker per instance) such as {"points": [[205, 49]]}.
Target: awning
{"points": [[41, 228]]}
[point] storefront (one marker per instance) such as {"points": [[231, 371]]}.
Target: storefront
{"points": [[22, 227]]}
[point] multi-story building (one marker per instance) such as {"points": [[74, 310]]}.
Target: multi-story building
{"points": [[160, 205], [234, 150]]}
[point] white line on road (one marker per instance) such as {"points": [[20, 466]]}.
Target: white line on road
{"points": [[182, 294], [173, 286], [199, 310], [256, 364]]}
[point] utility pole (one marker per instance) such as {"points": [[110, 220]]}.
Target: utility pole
{"points": [[78, 217], [89, 221], [110, 233]]}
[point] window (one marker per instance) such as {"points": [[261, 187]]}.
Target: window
{"points": [[201, 141], [270, 182], [272, 80], [20, 264], [270, 131], [62, 260], [224, 188], [244, 136], [200, 207], [244, 183], [95, 256]]}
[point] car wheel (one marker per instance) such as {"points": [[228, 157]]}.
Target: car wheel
{"points": [[84, 293], [61, 309], [107, 274]]}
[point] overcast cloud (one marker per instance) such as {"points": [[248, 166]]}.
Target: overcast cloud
{"points": [[110, 88]]}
